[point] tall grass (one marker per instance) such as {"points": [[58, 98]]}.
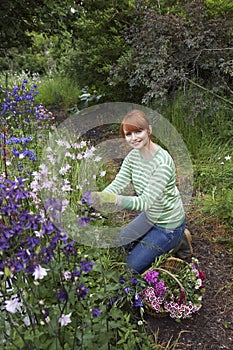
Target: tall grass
{"points": [[199, 119], [206, 127], [58, 91]]}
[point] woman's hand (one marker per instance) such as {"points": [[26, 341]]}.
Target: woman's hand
{"points": [[105, 201], [101, 198]]}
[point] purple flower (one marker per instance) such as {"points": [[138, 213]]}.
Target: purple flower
{"points": [[134, 280], [87, 198], [137, 301], [53, 203], [96, 312], [121, 280], [83, 221], [86, 266], [160, 288], [82, 291], [47, 227], [151, 276], [127, 289], [62, 295]]}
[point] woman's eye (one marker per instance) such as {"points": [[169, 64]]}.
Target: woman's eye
{"points": [[128, 134]]}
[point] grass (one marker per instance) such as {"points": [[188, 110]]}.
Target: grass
{"points": [[58, 91]]}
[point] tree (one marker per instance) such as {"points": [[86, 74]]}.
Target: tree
{"points": [[20, 18], [97, 44], [170, 49]]}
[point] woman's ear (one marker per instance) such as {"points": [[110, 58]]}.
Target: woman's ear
{"points": [[150, 130]]}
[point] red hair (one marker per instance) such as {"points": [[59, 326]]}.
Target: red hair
{"points": [[133, 121]]}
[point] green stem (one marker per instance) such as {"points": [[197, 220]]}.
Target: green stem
{"points": [[105, 290]]}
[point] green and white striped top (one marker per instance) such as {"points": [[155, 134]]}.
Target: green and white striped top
{"points": [[154, 182]]}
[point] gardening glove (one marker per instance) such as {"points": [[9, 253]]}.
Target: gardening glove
{"points": [[105, 201]]}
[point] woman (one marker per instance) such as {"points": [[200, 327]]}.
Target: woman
{"points": [[161, 225]]}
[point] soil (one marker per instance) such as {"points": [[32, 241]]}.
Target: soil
{"points": [[212, 327]]}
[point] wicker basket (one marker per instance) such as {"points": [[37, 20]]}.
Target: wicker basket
{"points": [[171, 266]]}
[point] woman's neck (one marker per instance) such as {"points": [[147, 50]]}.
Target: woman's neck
{"points": [[149, 150]]}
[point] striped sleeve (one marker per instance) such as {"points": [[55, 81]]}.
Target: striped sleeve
{"points": [[122, 179]]}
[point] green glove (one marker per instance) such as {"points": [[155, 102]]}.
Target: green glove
{"points": [[104, 198]]}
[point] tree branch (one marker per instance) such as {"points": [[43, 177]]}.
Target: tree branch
{"points": [[209, 91]]}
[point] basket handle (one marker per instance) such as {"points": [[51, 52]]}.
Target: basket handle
{"points": [[170, 274]]}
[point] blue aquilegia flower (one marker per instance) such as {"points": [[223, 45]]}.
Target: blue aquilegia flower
{"points": [[96, 312], [86, 266], [87, 198], [137, 301]]}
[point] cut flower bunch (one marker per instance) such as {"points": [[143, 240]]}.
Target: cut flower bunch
{"points": [[173, 287]]}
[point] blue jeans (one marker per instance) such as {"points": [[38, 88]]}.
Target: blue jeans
{"points": [[151, 241]]}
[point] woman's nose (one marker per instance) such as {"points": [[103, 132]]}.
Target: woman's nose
{"points": [[134, 135]]}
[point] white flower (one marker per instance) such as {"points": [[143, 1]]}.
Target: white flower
{"points": [[228, 157], [67, 275], [71, 155], [102, 173], [66, 186], [88, 154], [198, 283], [64, 320], [65, 202], [64, 169], [76, 145], [79, 156], [39, 233], [13, 305], [21, 156], [97, 158], [60, 143], [27, 321], [83, 143], [51, 158], [39, 272], [67, 145]]}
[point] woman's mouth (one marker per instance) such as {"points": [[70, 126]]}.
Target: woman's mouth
{"points": [[135, 143]]}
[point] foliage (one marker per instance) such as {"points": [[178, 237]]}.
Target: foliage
{"points": [[20, 19], [215, 185], [173, 49], [98, 42]]}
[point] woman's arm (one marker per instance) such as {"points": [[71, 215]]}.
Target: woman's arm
{"points": [[153, 189], [122, 179]]}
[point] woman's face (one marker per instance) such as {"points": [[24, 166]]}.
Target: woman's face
{"points": [[137, 139]]}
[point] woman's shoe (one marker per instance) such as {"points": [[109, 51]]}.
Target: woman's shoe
{"points": [[184, 249]]}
